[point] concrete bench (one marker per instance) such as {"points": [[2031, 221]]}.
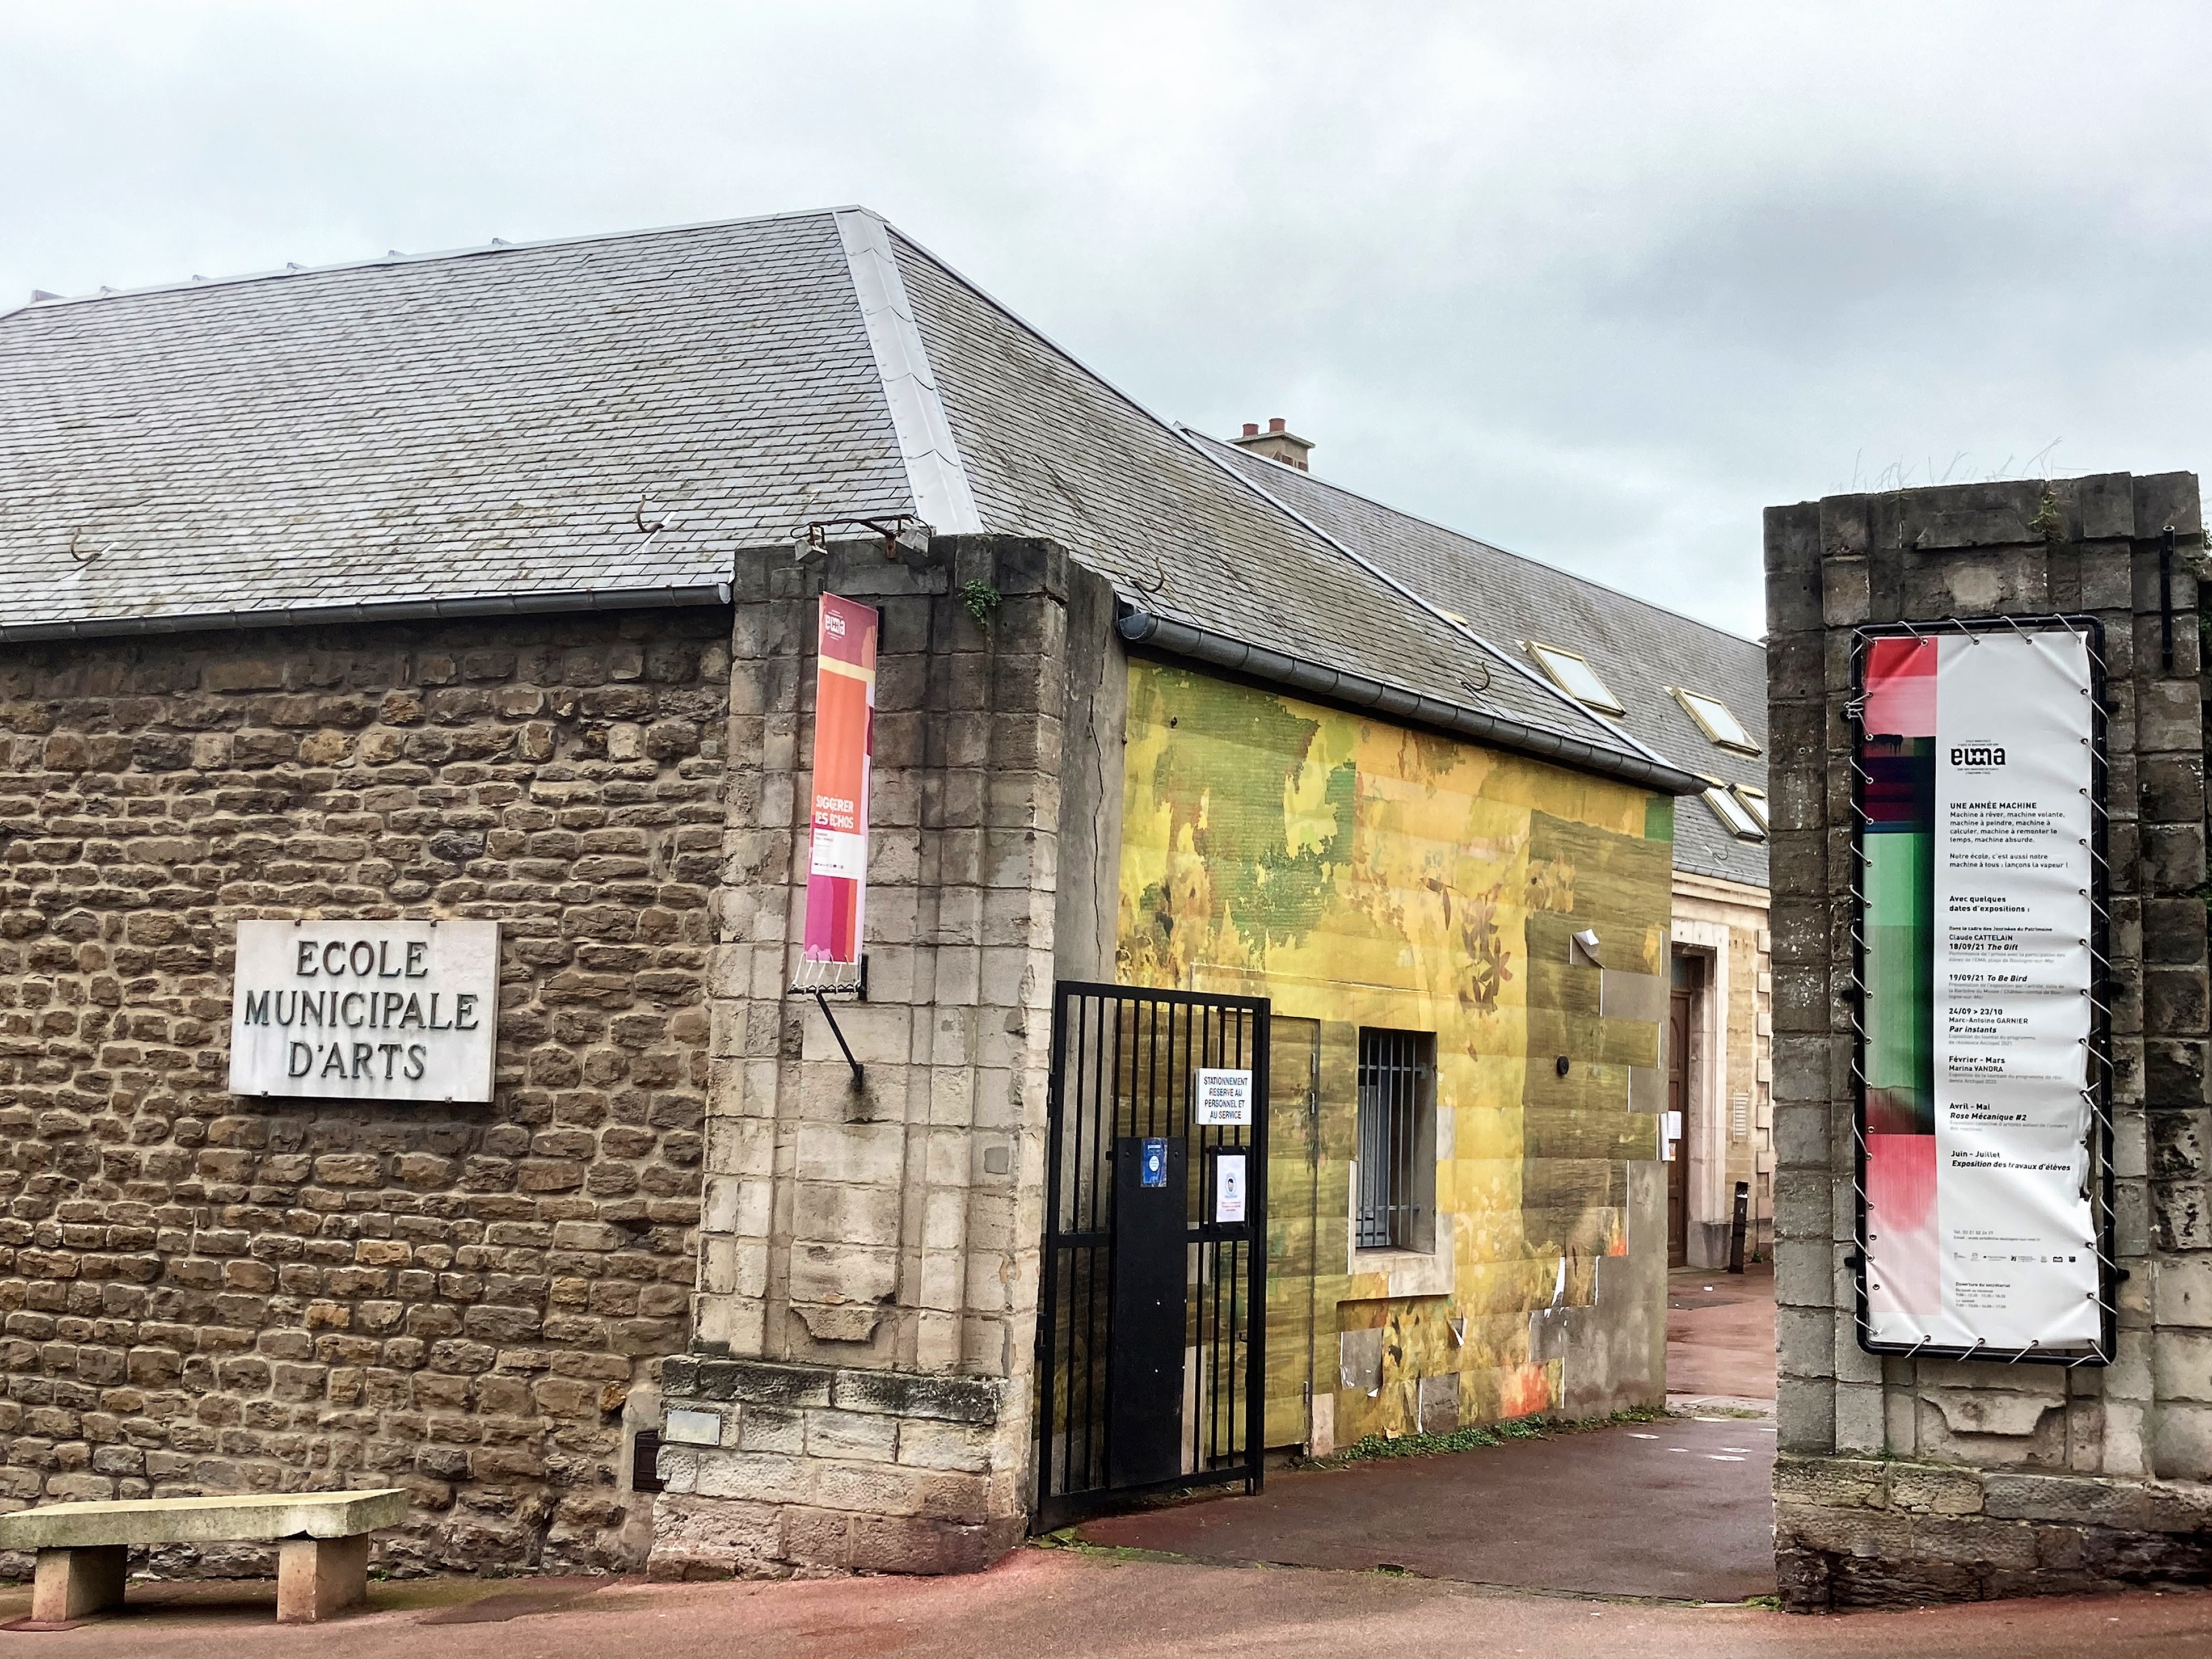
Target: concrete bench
{"points": [[321, 1538]]}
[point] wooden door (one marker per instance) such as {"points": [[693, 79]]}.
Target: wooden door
{"points": [[1678, 1100]]}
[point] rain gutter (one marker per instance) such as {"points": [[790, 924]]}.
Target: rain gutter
{"points": [[1180, 639], [323, 616]]}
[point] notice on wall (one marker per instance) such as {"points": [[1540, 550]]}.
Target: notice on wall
{"points": [[1980, 1232], [844, 747], [1225, 1098], [403, 1011]]}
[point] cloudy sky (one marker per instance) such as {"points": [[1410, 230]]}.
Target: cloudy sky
{"points": [[1593, 281]]}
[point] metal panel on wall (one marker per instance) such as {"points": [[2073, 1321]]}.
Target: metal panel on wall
{"points": [[1981, 1058]]}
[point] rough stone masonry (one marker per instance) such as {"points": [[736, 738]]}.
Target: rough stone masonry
{"points": [[204, 1293], [1901, 1481], [678, 1188]]}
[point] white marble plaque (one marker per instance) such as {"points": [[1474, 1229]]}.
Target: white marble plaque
{"points": [[365, 1010]]}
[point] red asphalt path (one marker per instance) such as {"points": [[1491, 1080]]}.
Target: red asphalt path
{"points": [[1057, 1604]]}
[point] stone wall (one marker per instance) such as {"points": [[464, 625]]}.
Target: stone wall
{"points": [[859, 1392], [1905, 1480], [200, 1293]]}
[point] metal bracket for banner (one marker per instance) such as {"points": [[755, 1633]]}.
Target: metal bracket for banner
{"points": [[2099, 1143], [897, 530], [824, 980]]}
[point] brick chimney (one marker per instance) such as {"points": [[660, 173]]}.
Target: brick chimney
{"points": [[1276, 443]]}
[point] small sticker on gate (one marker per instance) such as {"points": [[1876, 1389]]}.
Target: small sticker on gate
{"points": [[1153, 1171], [1224, 1098]]}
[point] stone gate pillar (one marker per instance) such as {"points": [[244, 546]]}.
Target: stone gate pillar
{"points": [[1902, 1479], [857, 1393]]}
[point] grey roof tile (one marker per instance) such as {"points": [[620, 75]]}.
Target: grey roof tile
{"points": [[1641, 650], [484, 423], [1050, 449], [425, 428]]}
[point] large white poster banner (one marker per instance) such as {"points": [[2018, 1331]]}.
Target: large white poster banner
{"points": [[2010, 982]]}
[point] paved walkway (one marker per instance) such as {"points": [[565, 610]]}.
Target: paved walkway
{"points": [[1058, 1604], [1677, 1508], [1720, 1332], [1675, 1512]]}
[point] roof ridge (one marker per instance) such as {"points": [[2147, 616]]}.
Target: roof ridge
{"points": [[199, 284], [1177, 429], [936, 479], [1042, 338], [1406, 590], [1503, 552]]}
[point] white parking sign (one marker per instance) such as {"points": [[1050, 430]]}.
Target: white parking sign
{"points": [[1224, 1098]]}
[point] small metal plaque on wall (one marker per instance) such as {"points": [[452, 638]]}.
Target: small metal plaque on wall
{"points": [[365, 1010]]}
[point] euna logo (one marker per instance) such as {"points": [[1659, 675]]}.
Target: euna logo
{"points": [[834, 624], [1977, 754]]}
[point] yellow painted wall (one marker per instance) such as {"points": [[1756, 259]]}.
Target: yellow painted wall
{"points": [[1357, 873]]}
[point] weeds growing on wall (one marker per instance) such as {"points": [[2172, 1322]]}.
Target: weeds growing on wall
{"points": [[980, 599], [1376, 1446]]}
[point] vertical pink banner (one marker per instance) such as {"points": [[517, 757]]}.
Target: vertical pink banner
{"points": [[844, 750]]}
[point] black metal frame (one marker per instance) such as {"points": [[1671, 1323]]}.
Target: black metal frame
{"points": [[1124, 1061], [2099, 1094]]}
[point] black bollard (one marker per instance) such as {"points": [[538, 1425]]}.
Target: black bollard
{"points": [[1738, 1226]]}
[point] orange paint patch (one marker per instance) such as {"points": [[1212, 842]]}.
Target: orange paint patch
{"points": [[1527, 1390]]}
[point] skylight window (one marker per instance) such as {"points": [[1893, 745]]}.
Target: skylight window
{"points": [[1572, 672], [1754, 802], [1715, 720], [1735, 817]]}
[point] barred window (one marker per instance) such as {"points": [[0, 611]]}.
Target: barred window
{"points": [[1397, 1184]]}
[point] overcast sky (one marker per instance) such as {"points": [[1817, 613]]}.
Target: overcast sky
{"points": [[1596, 282]]}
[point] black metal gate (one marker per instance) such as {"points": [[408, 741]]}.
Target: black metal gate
{"points": [[1151, 1351]]}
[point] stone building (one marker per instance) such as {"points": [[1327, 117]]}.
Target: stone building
{"points": [[482, 586], [1906, 1478]]}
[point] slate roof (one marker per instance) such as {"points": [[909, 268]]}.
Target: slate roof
{"points": [[481, 426], [1641, 650], [1050, 449], [483, 422]]}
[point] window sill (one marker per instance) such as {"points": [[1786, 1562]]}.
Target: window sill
{"points": [[1412, 1273]]}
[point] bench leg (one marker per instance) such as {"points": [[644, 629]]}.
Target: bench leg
{"points": [[70, 1583], [318, 1577]]}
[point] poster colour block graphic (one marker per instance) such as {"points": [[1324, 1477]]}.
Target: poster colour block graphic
{"points": [[1976, 884], [844, 744]]}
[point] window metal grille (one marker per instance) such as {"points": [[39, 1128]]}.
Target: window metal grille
{"points": [[1397, 1159]]}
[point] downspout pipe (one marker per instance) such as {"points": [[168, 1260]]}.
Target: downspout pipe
{"points": [[325, 616], [1180, 639]]}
